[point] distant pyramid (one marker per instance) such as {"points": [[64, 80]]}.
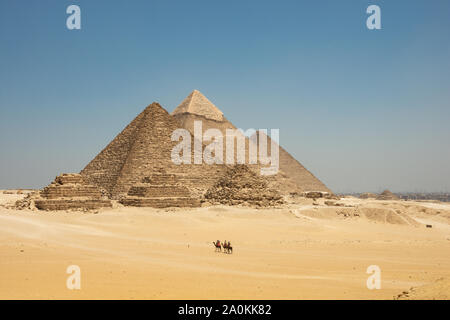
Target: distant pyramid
{"points": [[387, 195], [142, 148], [292, 177]]}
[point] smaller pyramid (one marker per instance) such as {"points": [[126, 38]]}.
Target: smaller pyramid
{"points": [[160, 190], [71, 191], [368, 195], [196, 103], [240, 185], [387, 195]]}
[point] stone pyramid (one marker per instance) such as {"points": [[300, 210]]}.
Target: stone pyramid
{"points": [[292, 176], [160, 190], [240, 185], [71, 191], [387, 195], [141, 149]]}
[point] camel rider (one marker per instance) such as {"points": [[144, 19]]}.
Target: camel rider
{"points": [[225, 243], [218, 243], [229, 244]]}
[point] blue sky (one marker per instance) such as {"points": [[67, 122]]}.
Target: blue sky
{"points": [[363, 110]]}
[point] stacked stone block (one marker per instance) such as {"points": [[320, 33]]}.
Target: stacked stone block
{"points": [[70, 191], [160, 190], [241, 186]]}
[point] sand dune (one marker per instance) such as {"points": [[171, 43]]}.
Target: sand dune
{"points": [[299, 251]]}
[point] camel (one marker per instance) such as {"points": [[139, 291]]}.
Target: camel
{"points": [[218, 246], [227, 248]]}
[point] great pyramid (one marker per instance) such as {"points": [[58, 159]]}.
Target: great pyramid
{"points": [[292, 176], [142, 148]]}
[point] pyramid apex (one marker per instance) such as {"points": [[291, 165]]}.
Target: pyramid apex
{"points": [[196, 103], [155, 106]]}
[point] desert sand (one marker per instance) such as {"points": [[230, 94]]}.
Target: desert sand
{"points": [[297, 251]]}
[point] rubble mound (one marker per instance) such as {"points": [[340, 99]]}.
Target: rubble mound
{"points": [[70, 191], [387, 195], [27, 202], [240, 185], [436, 290], [160, 190], [320, 194]]}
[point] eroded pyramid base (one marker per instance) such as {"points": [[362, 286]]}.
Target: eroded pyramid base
{"points": [[70, 191], [71, 204], [161, 202], [160, 190]]}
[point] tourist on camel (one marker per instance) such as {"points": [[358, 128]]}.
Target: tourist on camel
{"points": [[217, 245]]}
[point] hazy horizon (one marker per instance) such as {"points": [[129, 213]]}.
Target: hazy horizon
{"points": [[363, 110]]}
